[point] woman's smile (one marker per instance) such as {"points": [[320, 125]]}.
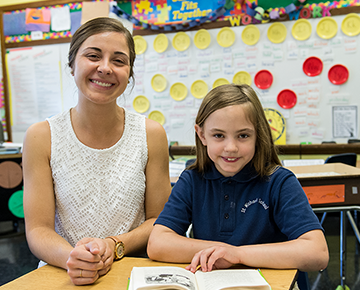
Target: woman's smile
{"points": [[102, 83]]}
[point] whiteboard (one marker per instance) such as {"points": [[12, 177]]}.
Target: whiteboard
{"points": [[310, 120]]}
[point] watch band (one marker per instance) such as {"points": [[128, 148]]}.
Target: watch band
{"points": [[113, 238]]}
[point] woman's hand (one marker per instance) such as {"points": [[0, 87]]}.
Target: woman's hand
{"points": [[90, 259], [217, 257]]}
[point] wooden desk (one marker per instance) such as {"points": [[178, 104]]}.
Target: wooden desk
{"points": [[49, 277]]}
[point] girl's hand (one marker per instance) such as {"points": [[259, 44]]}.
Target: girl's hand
{"points": [[218, 257]]}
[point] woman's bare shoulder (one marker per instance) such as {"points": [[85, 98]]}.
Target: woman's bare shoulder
{"points": [[38, 134], [153, 126], [156, 136]]}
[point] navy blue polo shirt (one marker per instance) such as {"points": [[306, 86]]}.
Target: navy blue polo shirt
{"points": [[240, 210]]}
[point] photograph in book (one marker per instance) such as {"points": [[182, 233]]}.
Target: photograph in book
{"points": [[146, 278]]}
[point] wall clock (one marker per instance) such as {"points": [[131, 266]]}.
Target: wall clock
{"points": [[277, 125]]}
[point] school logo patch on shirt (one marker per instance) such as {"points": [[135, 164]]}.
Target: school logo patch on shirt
{"points": [[252, 202]]}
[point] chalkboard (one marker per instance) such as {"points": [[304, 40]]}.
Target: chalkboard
{"points": [[323, 111]]}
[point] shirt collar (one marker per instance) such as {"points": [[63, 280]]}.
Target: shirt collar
{"points": [[246, 174]]}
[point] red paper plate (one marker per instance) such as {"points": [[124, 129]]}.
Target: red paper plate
{"points": [[338, 74], [312, 66], [263, 79], [286, 99]]}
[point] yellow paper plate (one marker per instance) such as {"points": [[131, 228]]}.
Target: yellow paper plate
{"points": [[226, 37], [178, 91], [161, 43], [202, 39], [277, 32], [140, 44], [301, 29], [181, 41], [158, 83], [141, 104], [327, 28], [199, 89], [351, 24], [157, 116], [220, 82], [250, 35], [242, 77]]}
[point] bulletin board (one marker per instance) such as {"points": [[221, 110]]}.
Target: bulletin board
{"points": [[192, 71]]}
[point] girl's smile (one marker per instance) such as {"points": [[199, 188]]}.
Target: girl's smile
{"points": [[230, 139]]}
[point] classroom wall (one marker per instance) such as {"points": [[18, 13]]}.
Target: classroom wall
{"points": [[14, 2], [311, 120], [317, 115]]}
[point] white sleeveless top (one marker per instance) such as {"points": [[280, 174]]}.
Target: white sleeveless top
{"points": [[99, 192]]}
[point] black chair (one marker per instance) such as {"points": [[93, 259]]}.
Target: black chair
{"points": [[346, 158], [190, 162], [350, 141]]}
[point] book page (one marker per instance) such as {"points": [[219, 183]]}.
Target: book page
{"points": [[162, 278], [231, 279]]}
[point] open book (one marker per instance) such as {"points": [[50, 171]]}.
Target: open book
{"points": [[146, 278]]}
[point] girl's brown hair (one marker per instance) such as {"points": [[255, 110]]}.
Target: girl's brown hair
{"points": [[96, 26], [265, 158]]}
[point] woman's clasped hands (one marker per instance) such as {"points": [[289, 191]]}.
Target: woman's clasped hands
{"points": [[90, 259]]}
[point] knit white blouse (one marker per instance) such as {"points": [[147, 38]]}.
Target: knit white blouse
{"points": [[99, 192]]}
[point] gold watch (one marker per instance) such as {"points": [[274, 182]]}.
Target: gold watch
{"points": [[119, 250]]}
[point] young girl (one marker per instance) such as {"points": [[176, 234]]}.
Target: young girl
{"points": [[243, 206], [96, 176]]}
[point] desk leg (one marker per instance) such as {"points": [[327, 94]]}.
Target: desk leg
{"points": [[342, 247], [323, 218], [353, 225]]}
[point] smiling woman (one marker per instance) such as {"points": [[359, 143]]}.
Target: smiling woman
{"points": [[90, 169]]}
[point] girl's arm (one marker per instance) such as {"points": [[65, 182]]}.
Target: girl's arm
{"points": [[168, 246], [39, 210], [308, 252], [158, 188]]}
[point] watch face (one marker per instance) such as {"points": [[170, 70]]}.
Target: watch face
{"points": [[276, 122], [120, 250]]}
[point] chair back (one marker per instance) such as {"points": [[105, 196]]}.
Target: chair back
{"points": [[189, 162], [350, 141], [346, 158]]}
